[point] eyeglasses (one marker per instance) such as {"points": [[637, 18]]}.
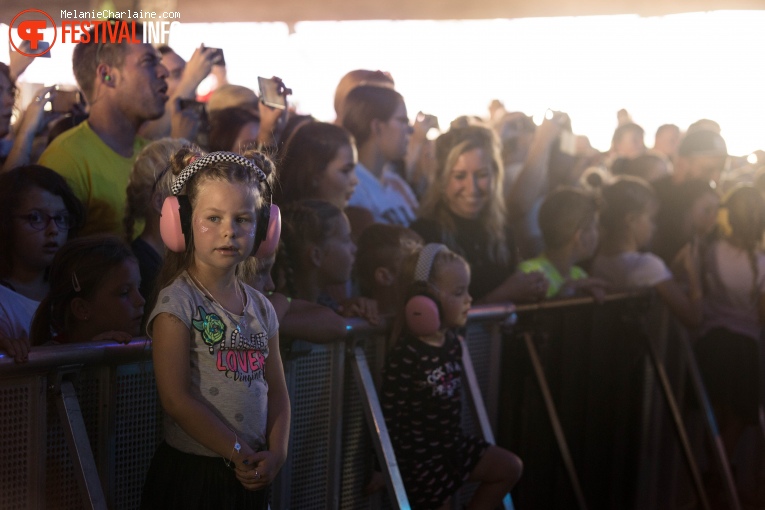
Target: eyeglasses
{"points": [[39, 220]]}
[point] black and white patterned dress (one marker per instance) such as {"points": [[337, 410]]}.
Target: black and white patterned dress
{"points": [[421, 399]]}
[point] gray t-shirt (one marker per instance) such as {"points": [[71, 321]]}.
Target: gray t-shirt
{"points": [[227, 369]]}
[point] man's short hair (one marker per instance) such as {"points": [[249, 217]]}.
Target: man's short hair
{"points": [[702, 143], [353, 79], [87, 56], [366, 103], [621, 131]]}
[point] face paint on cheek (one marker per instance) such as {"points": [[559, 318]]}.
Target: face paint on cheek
{"points": [[202, 227], [251, 233]]}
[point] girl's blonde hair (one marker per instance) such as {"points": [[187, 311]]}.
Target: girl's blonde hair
{"points": [[222, 171], [409, 286], [148, 177], [449, 147]]}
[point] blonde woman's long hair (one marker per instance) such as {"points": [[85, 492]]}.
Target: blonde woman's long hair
{"points": [[449, 147]]}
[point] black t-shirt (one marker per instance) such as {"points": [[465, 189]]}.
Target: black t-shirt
{"points": [[472, 242], [667, 240]]}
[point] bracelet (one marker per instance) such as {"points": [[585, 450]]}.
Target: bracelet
{"points": [[236, 449]]}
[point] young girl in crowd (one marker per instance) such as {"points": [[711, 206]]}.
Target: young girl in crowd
{"points": [[628, 222], [93, 294], [568, 219], [728, 350], [297, 318], [216, 347], [381, 251], [38, 213], [421, 393], [317, 254], [465, 210], [148, 186], [318, 163]]}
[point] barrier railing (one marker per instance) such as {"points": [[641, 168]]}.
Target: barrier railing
{"points": [[101, 397]]}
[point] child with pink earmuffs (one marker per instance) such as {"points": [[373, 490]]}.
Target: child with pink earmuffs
{"points": [[215, 339], [421, 390]]}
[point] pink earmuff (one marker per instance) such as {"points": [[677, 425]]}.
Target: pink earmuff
{"points": [[175, 219], [171, 229], [170, 225], [422, 316]]}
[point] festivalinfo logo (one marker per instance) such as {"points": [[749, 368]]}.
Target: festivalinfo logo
{"points": [[29, 34]]}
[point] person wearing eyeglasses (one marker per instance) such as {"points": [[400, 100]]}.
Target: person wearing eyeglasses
{"points": [[377, 118], [38, 214]]}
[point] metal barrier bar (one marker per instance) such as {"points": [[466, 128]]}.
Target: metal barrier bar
{"points": [[552, 413], [677, 420], [378, 429], [44, 359], [51, 357], [479, 409], [336, 423], [718, 450], [79, 446]]}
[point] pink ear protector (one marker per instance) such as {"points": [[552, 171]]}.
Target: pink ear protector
{"points": [[422, 311], [175, 219]]}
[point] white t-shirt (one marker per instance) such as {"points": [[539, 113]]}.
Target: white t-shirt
{"points": [[631, 270], [729, 300], [16, 313], [227, 369], [390, 199]]}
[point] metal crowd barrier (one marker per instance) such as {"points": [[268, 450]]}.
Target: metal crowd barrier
{"points": [[569, 386]]}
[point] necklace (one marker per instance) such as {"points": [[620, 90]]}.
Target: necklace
{"points": [[239, 324]]}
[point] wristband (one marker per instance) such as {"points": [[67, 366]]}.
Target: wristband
{"points": [[237, 447]]}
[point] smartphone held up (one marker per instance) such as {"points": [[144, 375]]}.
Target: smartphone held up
{"points": [[273, 93]]}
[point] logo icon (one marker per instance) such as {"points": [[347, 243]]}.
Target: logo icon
{"points": [[29, 26]]}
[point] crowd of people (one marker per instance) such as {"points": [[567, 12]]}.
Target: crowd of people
{"points": [[218, 225]]}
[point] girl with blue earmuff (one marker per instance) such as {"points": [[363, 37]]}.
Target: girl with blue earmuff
{"points": [[215, 339], [422, 390]]}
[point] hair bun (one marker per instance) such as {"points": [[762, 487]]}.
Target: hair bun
{"points": [[184, 157], [262, 161]]}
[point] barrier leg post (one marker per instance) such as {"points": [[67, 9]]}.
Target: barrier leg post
{"points": [[677, 420], [718, 450], [479, 408], [79, 445], [552, 413], [378, 429]]}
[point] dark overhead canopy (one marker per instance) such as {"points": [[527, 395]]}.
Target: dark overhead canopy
{"points": [[197, 11]]}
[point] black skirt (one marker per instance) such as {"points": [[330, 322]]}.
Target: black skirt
{"points": [[729, 365], [178, 480]]}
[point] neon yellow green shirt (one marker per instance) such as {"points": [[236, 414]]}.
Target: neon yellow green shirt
{"points": [[554, 279], [98, 176]]}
